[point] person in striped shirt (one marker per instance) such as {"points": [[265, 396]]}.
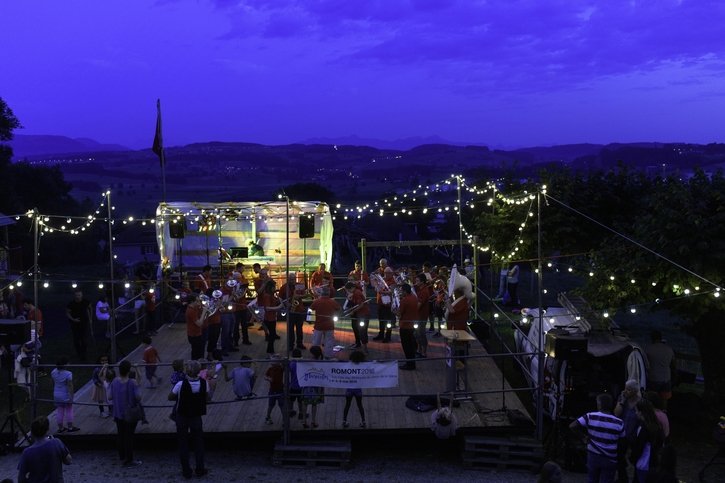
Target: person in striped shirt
{"points": [[603, 432]]}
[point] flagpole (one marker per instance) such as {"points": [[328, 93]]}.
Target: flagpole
{"points": [[158, 148]]}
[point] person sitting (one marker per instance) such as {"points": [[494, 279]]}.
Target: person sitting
{"points": [[443, 422], [255, 249]]}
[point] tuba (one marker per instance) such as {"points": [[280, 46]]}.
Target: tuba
{"points": [[210, 304]]}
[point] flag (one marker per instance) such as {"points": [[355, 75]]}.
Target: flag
{"points": [[158, 146]]}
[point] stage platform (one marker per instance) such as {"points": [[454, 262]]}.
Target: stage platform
{"points": [[476, 413]]}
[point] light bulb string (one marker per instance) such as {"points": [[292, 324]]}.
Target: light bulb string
{"points": [[633, 241]]}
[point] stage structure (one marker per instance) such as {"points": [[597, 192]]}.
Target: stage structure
{"points": [[192, 235]]}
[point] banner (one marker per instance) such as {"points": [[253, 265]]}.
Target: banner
{"points": [[346, 375]]}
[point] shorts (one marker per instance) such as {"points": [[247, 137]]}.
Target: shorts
{"points": [[150, 371], [274, 397]]}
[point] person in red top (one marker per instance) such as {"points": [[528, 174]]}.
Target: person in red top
{"points": [[321, 278], [151, 358], [271, 305], [326, 310], [360, 317], [241, 314], [194, 326], [386, 318], [359, 276], [457, 312], [408, 318], [35, 316], [213, 328], [202, 282], [292, 293], [423, 292]]}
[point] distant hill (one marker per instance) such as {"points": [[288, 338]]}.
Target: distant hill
{"points": [[25, 145], [397, 144]]}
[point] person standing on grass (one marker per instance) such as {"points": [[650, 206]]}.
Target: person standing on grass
{"points": [[63, 395], [44, 459], [191, 396], [78, 312]]}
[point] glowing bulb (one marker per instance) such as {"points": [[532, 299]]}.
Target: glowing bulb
{"points": [[19, 283], [633, 310], [46, 285], [335, 318], [177, 296], [74, 285], [152, 290], [100, 285], [605, 314], [362, 324], [127, 285]]}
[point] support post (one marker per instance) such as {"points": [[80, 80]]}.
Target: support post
{"points": [[540, 355], [112, 320]]}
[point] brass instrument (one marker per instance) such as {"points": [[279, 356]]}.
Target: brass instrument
{"points": [[346, 312], [210, 305]]}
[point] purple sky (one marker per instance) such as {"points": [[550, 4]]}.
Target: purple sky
{"points": [[504, 73]]}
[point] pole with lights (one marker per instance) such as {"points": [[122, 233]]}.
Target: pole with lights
{"points": [[112, 304], [286, 412]]}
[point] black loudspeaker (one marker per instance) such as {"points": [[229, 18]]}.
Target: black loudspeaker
{"points": [[307, 226], [13, 331], [177, 228], [561, 345]]}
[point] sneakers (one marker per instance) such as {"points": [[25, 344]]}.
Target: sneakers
{"points": [[345, 424], [378, 337], [355, 346], [268, 421], [104, 414], [72, 429], [363, 425]]}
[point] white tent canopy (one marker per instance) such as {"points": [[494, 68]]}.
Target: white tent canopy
{"points": [[211, 226]]}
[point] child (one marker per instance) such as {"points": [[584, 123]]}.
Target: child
{"points": [[312, 395], [295, 391], [177, 376], [63, 395], [355, 358], [99, 391], [108, 377], [178, 373], [151, 358], [243, 377], [274, 376]]}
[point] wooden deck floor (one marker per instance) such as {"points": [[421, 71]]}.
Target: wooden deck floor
{"points": [[382, 413]]}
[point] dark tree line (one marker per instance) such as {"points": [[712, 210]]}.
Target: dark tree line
{"points": [[24, 186], [675, 251]]}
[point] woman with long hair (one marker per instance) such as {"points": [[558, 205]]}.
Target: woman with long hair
{"points": [[648, 442]]}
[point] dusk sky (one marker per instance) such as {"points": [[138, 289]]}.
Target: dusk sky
{"points": [[504, 73]]}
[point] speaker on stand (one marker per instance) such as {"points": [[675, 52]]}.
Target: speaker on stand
{"points": [[177, 228], [307, 226]]}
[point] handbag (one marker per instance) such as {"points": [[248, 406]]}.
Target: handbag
{"points": [[134, 411]]}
